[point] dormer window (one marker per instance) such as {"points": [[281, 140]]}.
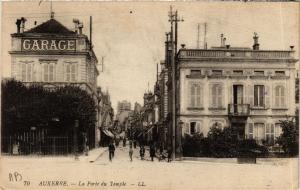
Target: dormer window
{"points": [[259, 73]]}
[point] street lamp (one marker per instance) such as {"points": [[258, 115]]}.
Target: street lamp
{"points": [[75, 146]]}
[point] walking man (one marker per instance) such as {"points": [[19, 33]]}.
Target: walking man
{"points": [[152, 152], [169, 154], [142, 152], [111, 149], [130, 153]]}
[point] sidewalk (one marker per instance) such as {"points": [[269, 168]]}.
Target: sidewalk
{"points": [[263, 161], [93, 154]]}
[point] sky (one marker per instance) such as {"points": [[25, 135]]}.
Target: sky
{"points": [[130, 35]]}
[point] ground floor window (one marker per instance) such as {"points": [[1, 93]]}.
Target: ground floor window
{"points": [[270, 134], [278, 130]]}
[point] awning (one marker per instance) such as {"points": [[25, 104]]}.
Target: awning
{"points": [[108, 133]]}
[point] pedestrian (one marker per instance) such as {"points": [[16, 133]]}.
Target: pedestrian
{"points": [[169, 154], [161, 150], [130, 153], [142, 152], [152, 152], [124, 141], [111, 150], [134, 143]]}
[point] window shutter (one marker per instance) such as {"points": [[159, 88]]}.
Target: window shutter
{"points": [[29, 72], [267, 96], [276, 92], [198, 127], [210, 97], [187, 128], [250, 125], [251, 95], [76, 72], [191, 95], [200, 96], [214, 95], [230, 96], [220, 96], [33, 72], [51, 72], [23, 70], [46, 72], [283, 104]]}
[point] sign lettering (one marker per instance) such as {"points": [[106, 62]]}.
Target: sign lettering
{"points": [[48, 45]]}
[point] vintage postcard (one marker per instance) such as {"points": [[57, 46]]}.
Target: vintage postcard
{"points": [[156, 95]]}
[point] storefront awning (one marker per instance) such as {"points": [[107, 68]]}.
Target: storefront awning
{"points": [[108, 133]]}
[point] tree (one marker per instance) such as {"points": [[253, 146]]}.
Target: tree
{"points": [[24, 107], [289, 139]]}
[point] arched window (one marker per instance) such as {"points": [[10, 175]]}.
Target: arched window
{"points": [[216, 95], [195, 99], [279, 96]]}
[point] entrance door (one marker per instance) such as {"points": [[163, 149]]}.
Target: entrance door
{"points": [[239, 130], [237, 97]]}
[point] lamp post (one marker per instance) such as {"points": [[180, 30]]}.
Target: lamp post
{"points": [[75, 135], [179, 138]]}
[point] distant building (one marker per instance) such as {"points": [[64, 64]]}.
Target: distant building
{"points": [[124, 106]]}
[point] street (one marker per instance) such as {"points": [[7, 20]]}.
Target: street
{"points": [[96, 171]]}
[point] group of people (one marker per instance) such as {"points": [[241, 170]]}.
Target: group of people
{"points": [[152, 152]]}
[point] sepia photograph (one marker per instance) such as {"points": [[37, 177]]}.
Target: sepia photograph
{"points": [[149, 95]]}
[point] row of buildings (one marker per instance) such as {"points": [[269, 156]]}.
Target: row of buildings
{"points": [[52, 55], [246, 88]]}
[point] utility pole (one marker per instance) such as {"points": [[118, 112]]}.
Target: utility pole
{"points": [[205, 43], [198, 36], [173, 18]]}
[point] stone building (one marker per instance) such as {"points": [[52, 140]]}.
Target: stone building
{"points": [[52, 55], [248, 89]]}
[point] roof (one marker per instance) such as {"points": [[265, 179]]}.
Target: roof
{"points": [[51, 26]]}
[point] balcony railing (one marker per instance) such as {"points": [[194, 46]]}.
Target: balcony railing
{"points": [[233, 53], [238, 109]]}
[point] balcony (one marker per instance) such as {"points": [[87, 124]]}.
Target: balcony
{"points": [[235, 54], [238, 110]]}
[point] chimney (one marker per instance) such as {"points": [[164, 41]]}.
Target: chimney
{"points": [[256, 44], [224, 40], [76, 22], [23, 20], [227, 46], [80, 26], [18, 23]]}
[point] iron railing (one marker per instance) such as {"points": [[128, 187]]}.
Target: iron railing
{"points": [[238, 109]]}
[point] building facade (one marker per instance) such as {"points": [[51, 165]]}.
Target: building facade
{"points": [[247, 89], [52, 55]]}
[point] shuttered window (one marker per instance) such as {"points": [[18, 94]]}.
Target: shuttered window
{"points": [[279, 96], [26, 72], [195, 127], [195, 96], [49, 72], [270, 133], [216, 95], [259, 95], [70, 75]]}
